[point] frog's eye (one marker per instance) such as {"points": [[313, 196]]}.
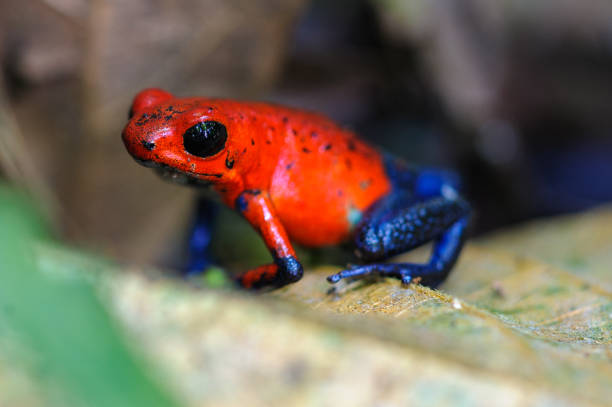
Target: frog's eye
{"points": [[205, 138]]}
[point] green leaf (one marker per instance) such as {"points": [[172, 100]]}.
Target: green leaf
{"points": [[58, 331], [504, 329]]}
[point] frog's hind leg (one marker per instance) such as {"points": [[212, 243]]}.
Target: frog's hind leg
{"points": [[387, 230]]}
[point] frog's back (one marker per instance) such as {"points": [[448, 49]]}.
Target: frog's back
{"points": [[324, 179]]}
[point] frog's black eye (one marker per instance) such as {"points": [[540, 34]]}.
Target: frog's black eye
{"points": [[205, 138]]}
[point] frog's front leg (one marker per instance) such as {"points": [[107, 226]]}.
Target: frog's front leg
{"points": [[256, 207], [199, 256], [390, 228]]}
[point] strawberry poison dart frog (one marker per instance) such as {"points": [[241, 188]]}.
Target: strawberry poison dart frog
{"points": [[297, 176]]}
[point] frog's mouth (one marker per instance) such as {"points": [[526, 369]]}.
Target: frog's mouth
{"points": [[172, 174]]}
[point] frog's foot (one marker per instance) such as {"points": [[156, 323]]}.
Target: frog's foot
{"points": [[260, 277], [285, 271], [428, 274]]}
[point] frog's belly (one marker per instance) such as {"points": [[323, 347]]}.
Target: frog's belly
{"points": [[321, 202]]}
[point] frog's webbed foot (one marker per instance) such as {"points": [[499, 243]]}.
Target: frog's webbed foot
{"points": [[405, 272]]}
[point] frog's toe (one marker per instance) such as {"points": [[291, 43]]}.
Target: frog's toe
{"points": [[404, 272], [351, 272], [334, 278]]}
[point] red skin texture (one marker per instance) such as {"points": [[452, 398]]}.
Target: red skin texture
{"points": [[313, 175]]}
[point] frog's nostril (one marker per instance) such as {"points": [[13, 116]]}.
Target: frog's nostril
{"points": [[149, 145]]}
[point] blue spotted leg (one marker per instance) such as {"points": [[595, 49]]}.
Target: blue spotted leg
{"points": [[422, 207]]}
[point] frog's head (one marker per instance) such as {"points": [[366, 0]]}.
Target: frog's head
{"points": [[185, 139]]}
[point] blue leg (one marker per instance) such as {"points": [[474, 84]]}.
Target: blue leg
{"points": [[200, 237], [445, 253], [397, 223]]}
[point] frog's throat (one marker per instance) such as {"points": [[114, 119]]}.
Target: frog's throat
{"points": [[173, 175]]}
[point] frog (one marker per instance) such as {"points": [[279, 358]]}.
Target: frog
{"points": [[298, 177]]}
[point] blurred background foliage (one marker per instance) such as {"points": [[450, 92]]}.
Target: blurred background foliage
{"points": [[515, 95]]}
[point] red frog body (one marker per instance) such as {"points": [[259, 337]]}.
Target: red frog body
{"points": [[294, 175]]}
